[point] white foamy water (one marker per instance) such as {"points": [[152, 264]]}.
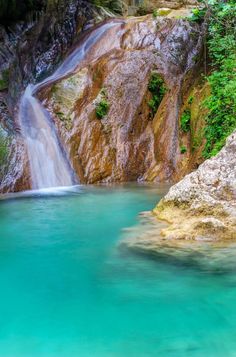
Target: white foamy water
{"points": [[49, 165]]}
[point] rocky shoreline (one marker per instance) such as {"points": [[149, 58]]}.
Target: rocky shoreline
{"points": [[196, 215]]}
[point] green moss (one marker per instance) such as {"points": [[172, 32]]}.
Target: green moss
{"points": [[4, 81], [158, 89], [190, 99], [185, 121], [163, 12], [3, 150], [196, 140]]}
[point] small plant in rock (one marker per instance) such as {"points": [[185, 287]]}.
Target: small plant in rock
{"points": [[183, 149], [185, 121], [158, 89], [102, 108], [155, 13], [190, 99], [198, 15]]}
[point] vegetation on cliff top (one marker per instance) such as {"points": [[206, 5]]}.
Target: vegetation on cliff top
{"points": [[221, 104], [220, 120]]}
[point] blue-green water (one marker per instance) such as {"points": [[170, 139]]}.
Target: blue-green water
{"points": [[68, 290]]}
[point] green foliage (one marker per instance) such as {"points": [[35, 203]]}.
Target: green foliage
{"points": [[221, 104], [183, 149], [190, 99], [158, 89], [185, 121], [198, 15], [113, 5], [3, 150], [155, 13], [102, 109]]}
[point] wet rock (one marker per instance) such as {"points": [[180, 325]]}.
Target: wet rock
{"points": [[15, 176], [31, 50], [126, 144]]}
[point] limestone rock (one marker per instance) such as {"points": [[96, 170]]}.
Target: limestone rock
{"points": [[126, 145], [204, 202]]}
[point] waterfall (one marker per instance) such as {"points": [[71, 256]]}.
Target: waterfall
{"points": [[49, 166]]}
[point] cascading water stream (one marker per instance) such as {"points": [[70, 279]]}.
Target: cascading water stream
{"points": [[49, 166]]}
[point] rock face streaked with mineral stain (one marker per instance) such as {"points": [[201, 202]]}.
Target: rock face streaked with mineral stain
{"points": [[127, 144]]}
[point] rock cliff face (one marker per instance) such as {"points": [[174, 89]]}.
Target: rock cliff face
{"points": [[30, 50], [127, 144]]}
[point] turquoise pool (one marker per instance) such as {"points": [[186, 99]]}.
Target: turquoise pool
{"points": [[68, 290]]}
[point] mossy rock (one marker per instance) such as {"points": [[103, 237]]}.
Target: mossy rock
{"points": [[4, 79], [163, 12]]}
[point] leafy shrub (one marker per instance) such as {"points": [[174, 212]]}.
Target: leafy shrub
{"points": [[221, 104], [183, 149], [155, 13], [198, 15], [158, 89], [102, 109], [185, 121]]}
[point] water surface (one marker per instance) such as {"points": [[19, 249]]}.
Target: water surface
{"points": [[67, 290]]}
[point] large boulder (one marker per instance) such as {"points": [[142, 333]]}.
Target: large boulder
{"points": [[202, 206]]}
